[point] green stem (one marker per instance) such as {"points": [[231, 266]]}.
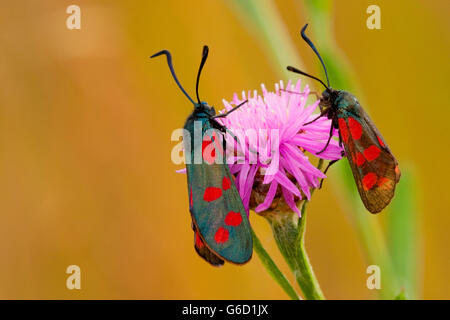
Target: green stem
{"points": [[302, 222], [285, 230], [273, 270]]}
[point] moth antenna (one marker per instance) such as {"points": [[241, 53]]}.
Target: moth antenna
{"points": [[202, 63], [308, 75], [169, 62], [315, 51]]}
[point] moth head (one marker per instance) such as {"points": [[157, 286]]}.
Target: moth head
{"points": [[326, 95], [203, 106], [329, 95]]}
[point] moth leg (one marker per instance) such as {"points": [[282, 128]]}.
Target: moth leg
{"points": [[224, 146], [340, 141], [238, 141], [326, 169], [329, 138], [223, 115], [225, 130], [318, 96], [293, 92], [322, 113], [218, 126]]}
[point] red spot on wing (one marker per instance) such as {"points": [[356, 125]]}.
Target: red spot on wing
{"points": [[206, 143], [369, 180], [380, 141], [383, 183], [359, 159], [191, 201], [226, 183], [343, 129], [218, 145], [372, 152], [355, 128], [212, 193], [233, 219], [397, 173], [221, 235], [208, 154], [198, 241]]}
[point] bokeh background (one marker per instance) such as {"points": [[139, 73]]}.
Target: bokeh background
{"points": [[85, 125]]}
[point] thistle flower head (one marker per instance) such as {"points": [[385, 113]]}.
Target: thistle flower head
{"points": [[282, 171]]}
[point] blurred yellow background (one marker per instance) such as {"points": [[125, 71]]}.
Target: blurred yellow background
{"points": [[85, 124]]}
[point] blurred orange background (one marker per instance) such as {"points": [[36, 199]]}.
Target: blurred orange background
{"points": [[85, 123]]}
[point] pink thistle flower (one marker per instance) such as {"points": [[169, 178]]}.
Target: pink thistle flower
{"points": [[287, 170]]}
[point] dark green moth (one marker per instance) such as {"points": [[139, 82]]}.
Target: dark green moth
{"points": [[219, 219], [374, 167]]}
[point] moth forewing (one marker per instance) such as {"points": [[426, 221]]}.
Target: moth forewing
{"points": [[203, 251], [217, 210], [373, 165]]}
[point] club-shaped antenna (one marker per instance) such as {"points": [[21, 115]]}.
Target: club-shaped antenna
{"points": [[202, 63], [309, 42], [169, 62]]}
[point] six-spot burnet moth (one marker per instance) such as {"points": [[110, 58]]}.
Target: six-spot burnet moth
{"points": [[374, 167], [219, 219]]}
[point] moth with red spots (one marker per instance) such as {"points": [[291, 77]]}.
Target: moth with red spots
{"points": [[219, 219], [373, 165]]}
